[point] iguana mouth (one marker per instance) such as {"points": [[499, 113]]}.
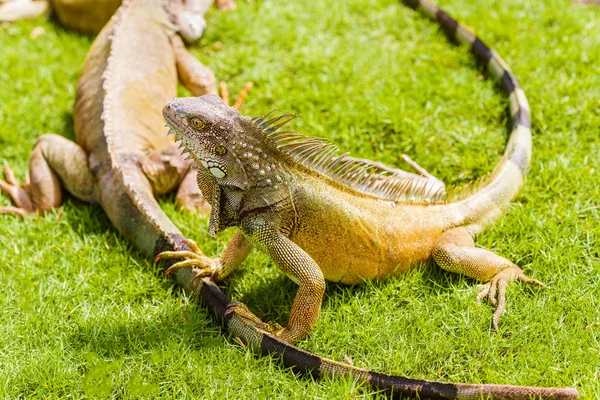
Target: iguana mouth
{"points": [[174, 122]]}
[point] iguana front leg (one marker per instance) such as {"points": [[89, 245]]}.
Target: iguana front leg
{"points": [[300, 268], [54, 161], [195, 76], [455, 251], [217, 268]]}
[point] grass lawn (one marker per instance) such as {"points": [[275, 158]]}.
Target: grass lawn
{"points": [[82, 314]]}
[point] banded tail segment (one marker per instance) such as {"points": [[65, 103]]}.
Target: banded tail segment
{"points": [[478, 209], [237, 322]]}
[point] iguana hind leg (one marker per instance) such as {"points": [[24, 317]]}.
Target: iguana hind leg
{"points": [[455, 251], [239, 101], [55, 162]]}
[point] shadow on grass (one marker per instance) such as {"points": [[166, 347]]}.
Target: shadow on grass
{"points": [[116, 338], [68, 126]]}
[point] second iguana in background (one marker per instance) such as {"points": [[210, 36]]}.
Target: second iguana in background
{"points": [[89, 16]]}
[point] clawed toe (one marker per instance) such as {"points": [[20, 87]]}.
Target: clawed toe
{"points": [[224, 93], [10, 175], [194, 258], [18, 194], [495, 290]]}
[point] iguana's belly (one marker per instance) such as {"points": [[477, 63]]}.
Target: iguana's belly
{"points": [[355, 239]]}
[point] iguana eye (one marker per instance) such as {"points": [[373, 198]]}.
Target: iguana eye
{"points": [[220, 149], [197, 123]]}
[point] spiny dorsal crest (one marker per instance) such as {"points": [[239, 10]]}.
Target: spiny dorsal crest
{"points": [[321, 155]]}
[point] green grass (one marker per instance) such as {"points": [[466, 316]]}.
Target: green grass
{"points": [[82, 314]]}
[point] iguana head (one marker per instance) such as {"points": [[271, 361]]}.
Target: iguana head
{"points": [[206, 128], [247, 170], [188, 17]]}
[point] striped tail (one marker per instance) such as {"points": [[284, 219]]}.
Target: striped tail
{"points": [[234, 318], [481, 208]]}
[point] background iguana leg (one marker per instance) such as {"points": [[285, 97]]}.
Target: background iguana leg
{"points": [[224, 94], [225, 4], [54, 160], [189, 195], [195, 76], [22, 9], [455, 251], [199, 79]]}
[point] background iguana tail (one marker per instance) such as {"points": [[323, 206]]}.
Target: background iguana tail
{"points": [[479, 207]]}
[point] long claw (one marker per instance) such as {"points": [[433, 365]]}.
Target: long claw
{"points": [[501, 303], [10, 175], [483, 291], [194, 258], [19, 194], [193, 246], [186, 263], [533, 281], [492, 293], [224, 92], [495, 290], [179, 254], [202, 274]]}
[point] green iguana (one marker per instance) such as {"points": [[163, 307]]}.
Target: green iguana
{"points": [[323, 216], [89, 16]]}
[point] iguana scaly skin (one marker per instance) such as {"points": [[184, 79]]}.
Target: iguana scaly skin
{"points": [[321, 216], [89, 16]]}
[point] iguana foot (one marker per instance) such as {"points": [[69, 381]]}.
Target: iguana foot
{"points": [[495, 289], [241, 310], [225, 5], [19, 194], [224, 94], [194, 203], [203, 266]]}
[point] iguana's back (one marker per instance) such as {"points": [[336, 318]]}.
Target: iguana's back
{"points": [[129, 72]]}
